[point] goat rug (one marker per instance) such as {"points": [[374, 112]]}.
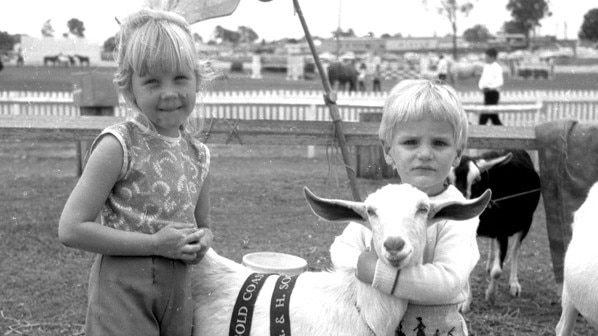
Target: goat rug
{"points": [[568, 153], [279, 305]]}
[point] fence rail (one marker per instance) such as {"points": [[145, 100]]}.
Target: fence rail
{"points": [[309, 105], [250, 132]]}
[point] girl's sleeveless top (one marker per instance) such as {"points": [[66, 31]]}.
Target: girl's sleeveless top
{"points": [[160, 179]]}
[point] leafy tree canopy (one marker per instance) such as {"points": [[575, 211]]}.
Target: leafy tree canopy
{"points": [[7, 41], [243, 34], [477, 34], [513, 27], [589, 27], [247, 34], [528, 13], [76, 27], [47, 29], [110, 44], [342, 33]]}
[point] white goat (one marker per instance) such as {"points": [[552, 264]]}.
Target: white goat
{"points": [[580, 285], [335, 302]]}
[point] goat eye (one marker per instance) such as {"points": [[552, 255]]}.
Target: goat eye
{"points": [[371, 212]]}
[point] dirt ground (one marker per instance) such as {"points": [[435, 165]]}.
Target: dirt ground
{"points": [[257, 205]]}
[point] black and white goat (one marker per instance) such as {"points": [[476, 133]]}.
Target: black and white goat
{"points": [[515, 186], [333, 302]]}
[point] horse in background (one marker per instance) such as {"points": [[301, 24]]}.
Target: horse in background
{"points": [[83, 60], [59, 59]]}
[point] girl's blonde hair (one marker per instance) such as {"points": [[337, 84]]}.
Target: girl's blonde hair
{"points": [[414, 99], [160, 41]]}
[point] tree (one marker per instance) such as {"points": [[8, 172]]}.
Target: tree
{"points": [[589, 27], [7, 41], [513, 27], [227, 35], [528, 14], [47, 29], [247, 34], [76, 27], [477, 34], [339, 33], [451, 9], [110, 44]]}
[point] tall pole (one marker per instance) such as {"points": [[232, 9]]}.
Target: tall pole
{"points": [[338, 32], [330, 100]]}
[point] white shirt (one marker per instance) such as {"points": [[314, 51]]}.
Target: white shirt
{"points": [[442, 66], [492, 77]]}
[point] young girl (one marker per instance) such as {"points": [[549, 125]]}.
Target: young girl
{"points": [[147, 179], [423, 133]]}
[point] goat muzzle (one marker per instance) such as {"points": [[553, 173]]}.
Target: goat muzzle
{"points": [[394, 245]]}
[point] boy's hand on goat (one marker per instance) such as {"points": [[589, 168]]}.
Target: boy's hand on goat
{"points": [[366, 266], [178, 241]]}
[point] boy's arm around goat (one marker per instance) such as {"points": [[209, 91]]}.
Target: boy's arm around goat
{"points": [[451, 253]]}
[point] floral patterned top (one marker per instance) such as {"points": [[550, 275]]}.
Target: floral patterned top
{"points": [[160, 179]]}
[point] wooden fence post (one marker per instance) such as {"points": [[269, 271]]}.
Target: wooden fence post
{"points": [[370, 159], [95, 95]]}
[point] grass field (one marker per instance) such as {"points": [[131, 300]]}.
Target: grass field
{"points": [[60, 79], [257, 205]]}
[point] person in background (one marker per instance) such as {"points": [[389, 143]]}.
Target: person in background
{"points": [[442, 68], [362, 77], [147, 179], [376, 79], [490, 83], [423, 133]]}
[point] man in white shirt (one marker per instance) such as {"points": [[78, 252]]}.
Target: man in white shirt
{"points": [[490, 82]]}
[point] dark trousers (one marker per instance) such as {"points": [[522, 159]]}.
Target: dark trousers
{"points": [[491, 97], [376, 85]]}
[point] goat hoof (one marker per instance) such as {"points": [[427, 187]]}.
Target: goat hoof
{"points": [[464, 307], [515, 289], [495, 273]]}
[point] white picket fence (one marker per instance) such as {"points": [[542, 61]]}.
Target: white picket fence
{"points": [[309, 105]]}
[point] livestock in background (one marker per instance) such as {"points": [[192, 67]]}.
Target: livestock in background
{"points": [[515, 185], [343, 73], [580, 285], [83, 60], [333, 302]]}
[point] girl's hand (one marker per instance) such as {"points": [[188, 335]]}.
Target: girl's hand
{"points": [[205, 243], [178, 241]]}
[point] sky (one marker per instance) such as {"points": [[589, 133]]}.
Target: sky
{"points": [[276, 19]]}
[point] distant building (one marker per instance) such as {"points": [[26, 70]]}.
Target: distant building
{"points": [[358, 45], [34, 49], [397, 45]]}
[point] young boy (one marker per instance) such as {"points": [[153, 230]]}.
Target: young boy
{"points": [[423, 133], [490, 82]]}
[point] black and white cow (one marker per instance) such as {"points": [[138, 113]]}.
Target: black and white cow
{"points": [[515, 185]]}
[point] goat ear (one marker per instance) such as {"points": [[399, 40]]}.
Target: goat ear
{"points": [[335, 210], [459, 210], [486, 165]]}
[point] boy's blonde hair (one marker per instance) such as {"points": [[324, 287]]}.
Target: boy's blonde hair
{"points": [[414, 99], [157, 40]]}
